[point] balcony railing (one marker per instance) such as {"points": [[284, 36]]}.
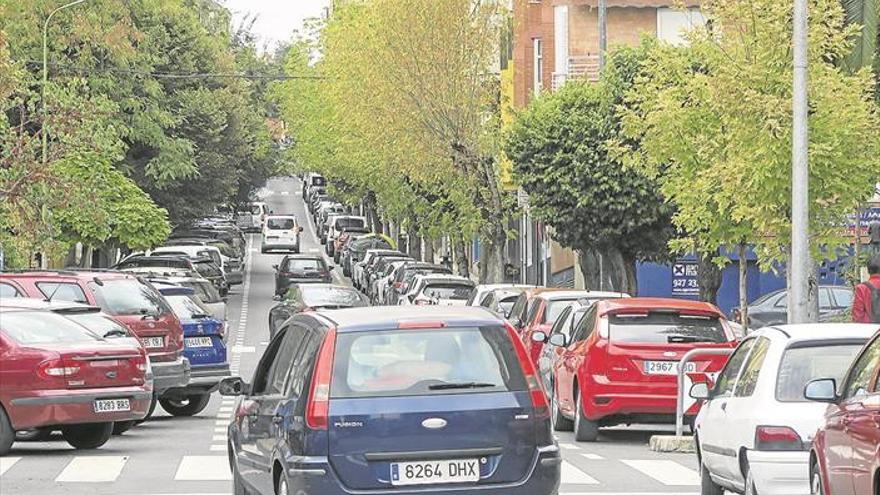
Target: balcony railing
{"points": [[579, 67]]}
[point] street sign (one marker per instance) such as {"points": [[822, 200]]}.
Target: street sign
{"points": [[684, 279]]}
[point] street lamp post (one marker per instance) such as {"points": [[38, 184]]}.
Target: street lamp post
{"points": [[799, 263], [46, 73]]}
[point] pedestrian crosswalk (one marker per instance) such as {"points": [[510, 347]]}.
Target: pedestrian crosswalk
{"points": [[584, 475]]}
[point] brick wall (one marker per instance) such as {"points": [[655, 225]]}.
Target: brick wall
{"points": [[626, 25], [532, 19]]}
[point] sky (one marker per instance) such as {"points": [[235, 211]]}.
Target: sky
{"points": [[276, 19]]}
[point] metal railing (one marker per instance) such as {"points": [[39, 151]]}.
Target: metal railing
{"points": [[682, 367]]}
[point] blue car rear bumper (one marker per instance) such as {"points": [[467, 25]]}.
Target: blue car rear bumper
{"points": [[314, 475]]}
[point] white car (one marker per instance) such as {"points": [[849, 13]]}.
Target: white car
{"points": [[438, 290], [754, 431], [357, 269], [337, 224], [280, 232], [379, 290]]}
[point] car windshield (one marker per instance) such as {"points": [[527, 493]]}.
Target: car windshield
{"points": [[332, 297], [155, 262], [128, 297], [665, 328], [43, 327], [458, 292], [303, 264], [187, 308], [205, 290], [399, 363], [555, 308], [349, 223], [801, 365], [280, 223], [208, 269], [100, 324]]}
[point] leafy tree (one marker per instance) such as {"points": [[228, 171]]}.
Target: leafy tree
{"points": [[593, 204], [713, 123]]}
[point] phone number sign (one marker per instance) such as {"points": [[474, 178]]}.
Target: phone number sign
{"points": [[684, 279]]}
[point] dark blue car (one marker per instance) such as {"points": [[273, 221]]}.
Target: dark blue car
{"points": [[398, 400], [204, 346]]}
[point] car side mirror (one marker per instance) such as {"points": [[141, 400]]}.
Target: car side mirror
{"points": [[276, 297], [275, 267], [300, 229], [558, 339], [539, 337], [331, 267], [233, 386], [699, 391], [822, 390]]}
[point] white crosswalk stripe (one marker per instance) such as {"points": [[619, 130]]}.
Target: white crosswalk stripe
{"points": [[573, 475], [592, 457], [6, 463], [667, 472], [203, 468], [92, 469]]}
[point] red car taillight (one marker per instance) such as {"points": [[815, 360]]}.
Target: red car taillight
{"points": [[56, 368], [318, 408], [539, 398], [777, 438]]}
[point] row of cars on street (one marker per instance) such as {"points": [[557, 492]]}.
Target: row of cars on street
{"points": [[92, 352]]}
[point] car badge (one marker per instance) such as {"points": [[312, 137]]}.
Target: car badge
{"points": [[111, 374], [434, 423], [151, 325], [201, 329], [669, 354]]}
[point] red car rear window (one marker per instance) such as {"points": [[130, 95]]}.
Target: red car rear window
{"points": [[666, 328], [43, 327]]}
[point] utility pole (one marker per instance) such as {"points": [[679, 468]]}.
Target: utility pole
{"points": [[44, 130], [799, 264], [603, 33]]}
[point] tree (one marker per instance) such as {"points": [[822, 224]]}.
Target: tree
{"points": [[608, 213], [713, 125]]}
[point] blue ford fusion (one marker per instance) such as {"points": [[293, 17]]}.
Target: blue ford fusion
{"points": [[393, 400], [204, 346]]}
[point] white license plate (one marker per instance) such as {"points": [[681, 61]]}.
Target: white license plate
{"points": [[153, 342], [199, 342], [435, 472], [112, 405], [667, 367]]}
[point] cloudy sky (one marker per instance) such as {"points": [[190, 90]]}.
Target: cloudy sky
{"points": [[277, 19]]}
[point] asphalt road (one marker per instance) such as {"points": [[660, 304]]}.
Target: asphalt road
{"points": [[187, 456]]}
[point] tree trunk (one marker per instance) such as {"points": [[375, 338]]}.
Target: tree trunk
{"points": [[371, 213], [631, 274], [743, 287], [708, 277], [492, 259], [414, 243], [462, 263], [589, 262], [429, 250], [615, 269]]}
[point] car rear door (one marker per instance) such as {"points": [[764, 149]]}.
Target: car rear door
{"points": [[853, 445], [392, 422]]}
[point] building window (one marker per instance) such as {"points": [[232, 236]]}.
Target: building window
{"points": [[538, 57], [673, 23]]}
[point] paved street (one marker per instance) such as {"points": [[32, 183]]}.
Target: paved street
{"points": [[188, 455]]}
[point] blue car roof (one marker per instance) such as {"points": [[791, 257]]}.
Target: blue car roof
{"points": [[390, 317], [176, 291]]}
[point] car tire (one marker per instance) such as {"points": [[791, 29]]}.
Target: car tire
{"points": [[192, 405], [584, 429], [817, 487], [87, 436], [121, 427], [150, 410], [282, 487], [34, 435], [560, 422], [7, 434], [707, 486], [238, 487]]}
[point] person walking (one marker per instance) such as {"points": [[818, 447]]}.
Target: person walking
{"points": [[866, 303]]}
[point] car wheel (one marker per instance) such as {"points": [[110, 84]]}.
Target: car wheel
{"points": [[817, 487], [750, 482], [121, 427], [707, 486], [560, 422], [34, 435], [192, 405], [7, 434], [282, 487], [584, 429], [150, 410], [87, 436], [238, 487]]}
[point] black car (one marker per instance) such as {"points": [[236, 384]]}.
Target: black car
{"points": [[207, 268], [309, 297], [358, 248], [180, 262], [405, 275], [299, 269], [772, 308]]}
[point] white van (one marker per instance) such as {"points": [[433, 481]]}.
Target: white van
{"points": [[337, 224], [280, 232], [252, 219]]}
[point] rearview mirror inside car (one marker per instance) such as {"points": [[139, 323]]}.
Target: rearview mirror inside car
{"points": [[699, 391], [558, 339], [233, 386], [539, 337], [823, 390]]}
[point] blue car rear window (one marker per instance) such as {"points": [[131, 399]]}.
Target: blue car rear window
{"points": [[417, 362]]}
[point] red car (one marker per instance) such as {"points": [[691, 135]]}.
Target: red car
{"points": [[58, 374], [127, 298], [546, 306], [845, 453], [619, 365]]}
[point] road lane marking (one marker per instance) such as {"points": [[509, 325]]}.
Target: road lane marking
{"points": [[7, 462], [573, 475], [593, 457], [669, 473], [568, 446], [203, 468], [92, 469], [219, 438], [236, 349], [218, 448]]}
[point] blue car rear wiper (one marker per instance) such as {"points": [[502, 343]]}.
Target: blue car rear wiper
{"points": [[452, 386]]}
